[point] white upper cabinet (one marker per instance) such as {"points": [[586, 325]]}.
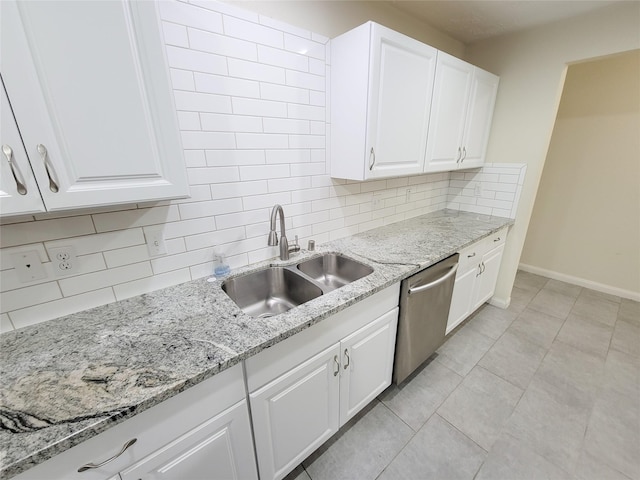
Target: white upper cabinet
{"points": [[18, 189], [463, 100], [381, 86], [88, 84]]}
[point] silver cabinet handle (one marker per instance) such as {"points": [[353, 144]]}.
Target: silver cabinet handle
{"points": [[337, 370], [422, 288], [17, 176], [89, 466], [53, 185], [472, 255], [459, 155], [372, 155], [496, 239], [479, 270], [346, 354], [464, 154]]}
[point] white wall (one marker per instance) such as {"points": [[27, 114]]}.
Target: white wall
{"points": [[532, 67], [252, 114], [585, 226]]}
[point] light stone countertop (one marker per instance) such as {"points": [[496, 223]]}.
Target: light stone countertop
{"points": [[68, 379]]}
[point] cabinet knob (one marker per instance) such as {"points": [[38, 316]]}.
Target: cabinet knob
{"points": [[53, 185], [89, 466], [17, 176]]}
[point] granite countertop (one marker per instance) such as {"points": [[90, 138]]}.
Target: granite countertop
{"points": [[68, 379]]}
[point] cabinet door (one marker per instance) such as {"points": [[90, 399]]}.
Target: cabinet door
{"points": [[484, 89], [19, 192], [89, 87], [489, 268], [462, 297], [218, 449], [294, 414], [367, 364], [401, 80], [448, 113]]}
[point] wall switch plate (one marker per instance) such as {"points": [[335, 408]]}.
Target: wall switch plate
{"points": [[28, 266], [155, 242], [376, 200], [63, 260], [407, 195], [478, 189]]}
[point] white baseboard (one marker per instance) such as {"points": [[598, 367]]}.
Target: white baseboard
{"points": [[581, 282], [500, 302]]}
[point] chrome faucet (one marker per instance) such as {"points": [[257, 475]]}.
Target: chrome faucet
{"points": [[273, 236]]}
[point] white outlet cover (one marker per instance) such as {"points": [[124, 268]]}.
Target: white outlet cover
{"points": [[28, 266], [61, 268]]}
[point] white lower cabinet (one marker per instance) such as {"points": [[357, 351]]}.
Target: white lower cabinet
{"points": [[201, 433], [302, 400], [475, 283], [215, 449]]}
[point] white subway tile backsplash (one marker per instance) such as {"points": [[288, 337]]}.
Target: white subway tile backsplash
{"points": [[317, 67], [175, 34], [205, 175], [288, 184], [195, 158], [304, 46], [106, 222], [222, 45], [288, 156], [287, 125], [216, 122], [305, 80], [254, 202], [265, 108], [309, 194], [251, 31], [239, 189], [304, 169], [264, 172], [191, 15], [234, 157], [282, 58], [212, 207], [227, 9], [148, 284], [242, 218], [189, 121], [305, 112], [5, 323], [185, 228], [202, 102], [317, 99], [185, 59], [105, 278], [282, 93], [205, 240], [261, 141], [26, 296], [284, 27], [223, 85], [58, 308], [307, 141], [255, 71], [17, 233], [182, 79]]}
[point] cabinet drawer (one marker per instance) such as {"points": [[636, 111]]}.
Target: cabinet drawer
{"points": [[153, 429]]}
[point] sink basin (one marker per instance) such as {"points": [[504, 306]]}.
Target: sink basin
{"points": [[271, 291], [333, 270]]}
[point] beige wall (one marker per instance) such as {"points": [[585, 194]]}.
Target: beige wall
{"points": [[586, 219], [332, 18], [532, 68]]}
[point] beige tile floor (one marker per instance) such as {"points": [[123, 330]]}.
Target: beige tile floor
{"points": [[547, 389]]}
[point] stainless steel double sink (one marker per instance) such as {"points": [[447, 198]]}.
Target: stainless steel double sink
{"points": [[274, 290]]}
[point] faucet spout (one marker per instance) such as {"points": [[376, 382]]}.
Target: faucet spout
{"points": [[273, 235]]}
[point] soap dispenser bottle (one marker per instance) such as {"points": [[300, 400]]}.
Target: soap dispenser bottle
{"points": [[220, 267]]}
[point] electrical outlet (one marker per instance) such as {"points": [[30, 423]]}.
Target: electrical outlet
{"points": [[28, 266], [478, 191], [155, 242], [63, 260], [376, 200]]}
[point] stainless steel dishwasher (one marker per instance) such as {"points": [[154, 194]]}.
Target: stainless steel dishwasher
{"points": [[424, 309]]}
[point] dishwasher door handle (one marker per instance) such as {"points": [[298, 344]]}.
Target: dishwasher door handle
{"points": [[429, 285]]}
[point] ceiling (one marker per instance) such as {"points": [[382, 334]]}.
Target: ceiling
{"points": [[472, 20]]}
